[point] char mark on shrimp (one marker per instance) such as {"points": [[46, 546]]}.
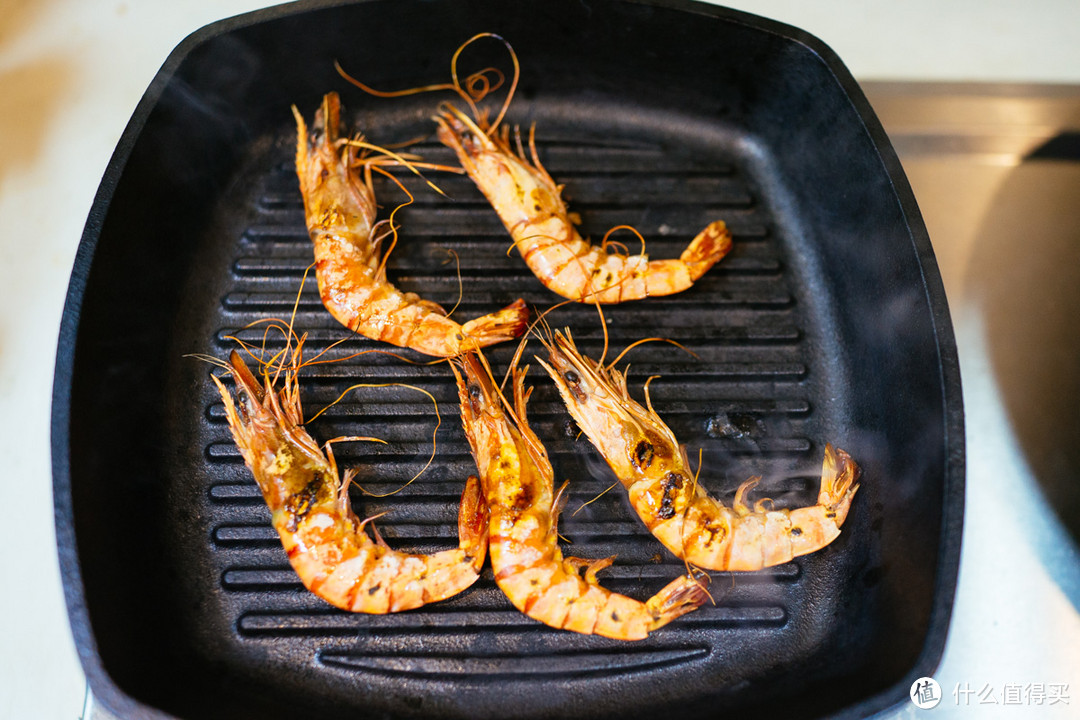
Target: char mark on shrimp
{"points": [[300, 503], [670, 485], [643, 454]]}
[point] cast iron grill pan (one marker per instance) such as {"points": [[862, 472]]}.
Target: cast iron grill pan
{"points": [[205, 234]]}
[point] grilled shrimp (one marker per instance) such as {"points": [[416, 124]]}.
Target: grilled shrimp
{"points": [[529, 567], [650, 463], [528, 202], [340, 211], [325, 541]]}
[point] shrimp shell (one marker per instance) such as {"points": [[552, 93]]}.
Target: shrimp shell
{"points": [[324, 540], [530, 205], [529, 567], [340, 210], [653, 467]]}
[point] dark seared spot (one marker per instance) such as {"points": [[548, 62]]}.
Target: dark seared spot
{"points": [[671, 484], [717, 532], [615, 616], [374, 589], [796, 531], [524, 499], [672, 481], [299, 505], [830, 515], [643, 454]]}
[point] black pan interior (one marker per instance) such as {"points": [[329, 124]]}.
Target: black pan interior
{"points": [[826, 323]]}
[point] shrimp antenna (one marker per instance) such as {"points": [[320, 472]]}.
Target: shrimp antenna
{"points": [[607, 241], [545, 333], [287, 332], [698, 574], [381, 270], [476, 87], [434, 440], [513, 82], [396, 158], [460, 285], [391, 93], [603, 328], [296, 302], [634, 344], [598, 496], [353, 438], [648, 398]]}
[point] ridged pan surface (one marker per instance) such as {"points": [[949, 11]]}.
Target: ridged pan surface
{"points": [[825, 324]]}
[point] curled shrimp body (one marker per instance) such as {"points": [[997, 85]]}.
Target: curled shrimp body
{"points": [[326, 543], [529, 567], [340, 210], [529, 204], [650, 463]]}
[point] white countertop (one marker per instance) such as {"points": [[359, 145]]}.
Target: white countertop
{"points": [[71, 73]]}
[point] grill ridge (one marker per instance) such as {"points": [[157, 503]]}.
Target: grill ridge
{"points": [[743, 396]]}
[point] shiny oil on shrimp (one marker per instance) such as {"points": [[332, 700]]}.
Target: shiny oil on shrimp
{"points": [[327, 545], [530, 205], [350, 263], [650, 463], [529, 568]]}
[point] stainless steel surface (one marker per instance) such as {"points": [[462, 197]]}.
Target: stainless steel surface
{"points": [[997, 177]]}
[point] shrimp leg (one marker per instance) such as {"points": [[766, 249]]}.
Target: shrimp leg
{"points": [[340, 210], [529, 568], [650, 463], [325, 541], [530, 205]]}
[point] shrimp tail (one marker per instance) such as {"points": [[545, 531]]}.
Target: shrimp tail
{"points": [[499, 326], [705, 250], [839, 476], [679, 597]]}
